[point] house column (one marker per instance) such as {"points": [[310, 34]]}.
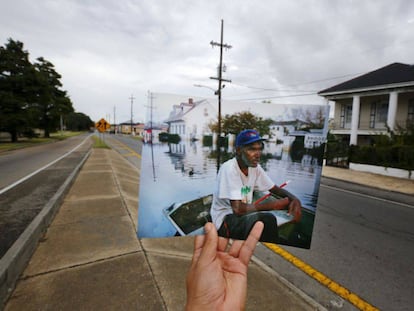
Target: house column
{"points": [[354, 121], [392, 110]]}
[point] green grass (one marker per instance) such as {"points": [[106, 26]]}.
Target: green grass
{"points": [[25, 142], [99, 143]]}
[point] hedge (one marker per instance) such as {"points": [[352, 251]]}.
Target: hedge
{"points": [[397, 156]]}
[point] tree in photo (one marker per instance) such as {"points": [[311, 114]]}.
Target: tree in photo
{"points": [[235, 123]]}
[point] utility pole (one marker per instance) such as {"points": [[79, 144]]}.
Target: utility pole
{"points": [[151, 107], [132, 103], [115, 127], [219, 78]]}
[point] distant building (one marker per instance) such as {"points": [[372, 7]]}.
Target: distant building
{"points": [[280, 129], [125, 128], [151, 132], [190, 120], [366, 105]]}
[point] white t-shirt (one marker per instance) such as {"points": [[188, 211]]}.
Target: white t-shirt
{"points": [[232, 184]]}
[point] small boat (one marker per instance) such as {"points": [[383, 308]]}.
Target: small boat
{"points": [[189, 218]]}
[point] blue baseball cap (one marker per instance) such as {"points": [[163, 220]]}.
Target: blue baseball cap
{"points": [[248, 137]]}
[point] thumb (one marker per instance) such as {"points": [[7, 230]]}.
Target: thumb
{"points": [[209, 250]]}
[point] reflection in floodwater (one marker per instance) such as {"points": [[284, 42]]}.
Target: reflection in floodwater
{"points": [[177, 173]]}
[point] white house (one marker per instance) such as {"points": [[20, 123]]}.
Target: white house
{"points": [[190, 120], [368, 104], [280, 129]]}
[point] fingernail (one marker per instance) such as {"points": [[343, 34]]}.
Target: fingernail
{"points": [[207, 227]]}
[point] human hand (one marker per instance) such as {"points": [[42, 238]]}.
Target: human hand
{"points": [[217, 279], [295, 209]]}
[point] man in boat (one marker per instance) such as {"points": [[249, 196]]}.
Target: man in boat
{"points": [[233, 211]]}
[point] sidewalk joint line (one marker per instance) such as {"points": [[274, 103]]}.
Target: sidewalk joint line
{"points": [[79, 265]]}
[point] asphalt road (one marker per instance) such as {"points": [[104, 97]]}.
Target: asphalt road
{"points": [[20, 204], [17, 164], [127, 146], [364, 241]]}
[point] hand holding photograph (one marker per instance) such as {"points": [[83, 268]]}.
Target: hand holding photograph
{"points": [[264, 166]]}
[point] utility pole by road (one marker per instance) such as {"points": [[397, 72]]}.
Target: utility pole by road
{"points": [[219, 78], [115, 127], [132, 103]]}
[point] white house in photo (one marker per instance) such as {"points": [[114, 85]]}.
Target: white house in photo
{"points": [[280, 129], [190, 120], [314, 139]]}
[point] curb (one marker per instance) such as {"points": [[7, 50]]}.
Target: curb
{"points": [[355, 183], [13, 263], [306, 298]]}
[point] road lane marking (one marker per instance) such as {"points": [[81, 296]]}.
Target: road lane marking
{"points": [[126, 147], [368, 196], [41, 169], [321, 278]]}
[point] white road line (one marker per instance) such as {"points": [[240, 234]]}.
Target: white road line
{"points": [[368, 196], [41, 169]]}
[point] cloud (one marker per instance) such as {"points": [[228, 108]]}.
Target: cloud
{"points": [[107, 50]]}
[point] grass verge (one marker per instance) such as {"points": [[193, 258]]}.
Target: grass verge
{"points": [[99, 143], [25, 142]]}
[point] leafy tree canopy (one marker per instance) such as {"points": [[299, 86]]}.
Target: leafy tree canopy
{"points": [[16, 86], [235, 123], [31, 95]]}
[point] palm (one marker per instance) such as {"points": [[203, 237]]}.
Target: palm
{"points": [[220, 277]]}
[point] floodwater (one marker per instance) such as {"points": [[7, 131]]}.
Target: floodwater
{"points": [[177, 173]]}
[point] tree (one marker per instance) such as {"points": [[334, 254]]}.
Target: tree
{"points": [[235, 123], [51, 102], [77, 121], [16, 88]]}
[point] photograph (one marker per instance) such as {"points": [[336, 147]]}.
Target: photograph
{"points": [[264, 166]]}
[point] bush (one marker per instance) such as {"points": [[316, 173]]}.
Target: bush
{"points": [[396, 156], [170, 138]]}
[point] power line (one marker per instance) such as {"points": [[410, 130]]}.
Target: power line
{"points": [[271, 89], [280, 96]]}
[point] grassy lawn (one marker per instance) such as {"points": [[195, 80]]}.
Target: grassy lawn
{"points": [[27, 142]]}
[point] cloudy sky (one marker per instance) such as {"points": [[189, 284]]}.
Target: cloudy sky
{"points": [[282, 51]]}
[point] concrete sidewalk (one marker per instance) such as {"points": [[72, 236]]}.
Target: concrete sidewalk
{"points": [[400, 185], [91, 259]]}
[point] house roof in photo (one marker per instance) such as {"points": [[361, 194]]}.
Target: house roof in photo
{"points": [[393, 74], [179, 111]]}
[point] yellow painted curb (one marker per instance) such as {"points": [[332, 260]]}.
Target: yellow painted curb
{"points": [[321, 278]]}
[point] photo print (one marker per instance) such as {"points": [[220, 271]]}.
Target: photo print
{"points": [[182, 157]]}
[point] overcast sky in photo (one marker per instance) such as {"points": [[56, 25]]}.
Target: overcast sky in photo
{"points": [[282, 51]]}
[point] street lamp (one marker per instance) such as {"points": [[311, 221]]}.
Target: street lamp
{"points": [[216, 92], [207, 87]]}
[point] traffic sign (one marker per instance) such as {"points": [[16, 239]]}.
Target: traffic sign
{"points": [[102, 125]]}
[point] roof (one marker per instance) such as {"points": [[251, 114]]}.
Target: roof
{"points": [[396, 73], [178, 112]]}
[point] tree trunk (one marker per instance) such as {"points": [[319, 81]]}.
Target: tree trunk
{"points": [[13, 134]]}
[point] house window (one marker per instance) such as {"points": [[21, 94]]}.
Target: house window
{"points": [[342, 117], [379, 114], [382, 112], [410, 115], [372, 115], [346, 115]]}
